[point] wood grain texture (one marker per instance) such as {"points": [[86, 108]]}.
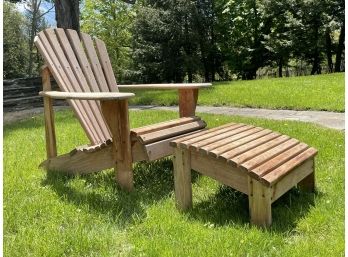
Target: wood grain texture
{"points": [[207, 134], [221, 152], [238, 160], [260, 202], [220, 171], [82, 58], [94, 62], [106, 65], [272, 177], [269, 154], [223, 139], [161, 148], [87, 95], [171, 132], [47, 52], [162, 125], [250, 145], [182, 179], [294, 177], [82, 84], [273, 163], [187, 102], [51, 145], [116, 116], [87, 109]]}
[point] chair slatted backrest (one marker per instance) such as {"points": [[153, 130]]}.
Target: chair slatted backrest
{"points": [[80, 64]]}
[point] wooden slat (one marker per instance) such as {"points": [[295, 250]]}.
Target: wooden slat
{"points": [[83, 84], [161, 148], [258, 160], [106, 65], [238, 140], [278, 173], [208, 134], [278, 160], [57, 71], [162, 125], [296, 176], [243, 148], [74, 85], [171, 132], [220, 140], [258, 150], [177, 141], [94, 61], [82, 58]]}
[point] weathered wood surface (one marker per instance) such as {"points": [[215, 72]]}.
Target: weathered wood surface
{"points": [[51, 147], [258, 162], [264, 155], [87, 95]]}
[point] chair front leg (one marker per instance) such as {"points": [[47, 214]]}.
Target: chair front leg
{"points": [[187, 102], [115, 113], [51, 145]]}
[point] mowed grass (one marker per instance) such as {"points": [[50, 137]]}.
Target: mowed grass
{"points": [[50, 214], [320, 92]]}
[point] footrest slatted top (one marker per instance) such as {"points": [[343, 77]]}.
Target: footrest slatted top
{"points": [[266, 155], [244, 157]]}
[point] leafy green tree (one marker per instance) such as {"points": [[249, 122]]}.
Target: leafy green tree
{"points": [[176, 40], [15, 47], [111, 21], [35, 22], [245, 25]]}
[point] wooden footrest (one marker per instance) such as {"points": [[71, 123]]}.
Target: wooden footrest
{"points": [[246, 158]]}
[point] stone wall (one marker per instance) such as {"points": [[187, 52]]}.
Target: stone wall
{"points": [[23, 93]]}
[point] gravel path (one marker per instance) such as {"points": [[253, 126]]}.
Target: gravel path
{"points": [[332, 120]]}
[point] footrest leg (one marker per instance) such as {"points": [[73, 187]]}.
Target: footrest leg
{"points": [[182, 179], [260, 202]]}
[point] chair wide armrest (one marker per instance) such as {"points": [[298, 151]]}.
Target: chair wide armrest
{"points": [[103, 96], [166, 86]]}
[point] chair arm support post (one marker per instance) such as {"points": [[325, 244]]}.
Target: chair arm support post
{"points": [[115, 113], [51, 145], [187, 102]]}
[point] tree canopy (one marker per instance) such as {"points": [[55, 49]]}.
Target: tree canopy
{"points": [[194, 40]]}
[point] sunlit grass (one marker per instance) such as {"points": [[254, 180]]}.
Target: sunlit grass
{"points": [[320, 92], [57, 215]]}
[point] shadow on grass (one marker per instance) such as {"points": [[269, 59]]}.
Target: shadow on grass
{"points": [[99, 193], [229, 206], [153, 181]]}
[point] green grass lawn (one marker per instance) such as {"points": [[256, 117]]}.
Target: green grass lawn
{"points": [[47, 214], [320, 92]]}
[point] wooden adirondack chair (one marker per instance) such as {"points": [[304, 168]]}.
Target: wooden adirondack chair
{"points": [[83, 72]]}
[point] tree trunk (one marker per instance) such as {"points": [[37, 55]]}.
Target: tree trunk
{"points": [[329, 49], [316, 69], [68, 14], [280, 68], [35, 9], [339, 51]]}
